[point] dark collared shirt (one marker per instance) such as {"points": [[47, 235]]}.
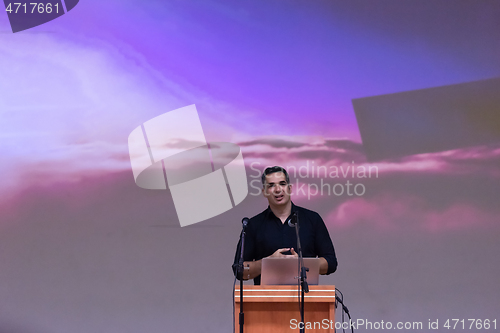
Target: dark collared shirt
{"points": [[266, 233]]}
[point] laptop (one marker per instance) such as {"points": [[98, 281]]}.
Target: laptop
{"points": [[284, 271]]}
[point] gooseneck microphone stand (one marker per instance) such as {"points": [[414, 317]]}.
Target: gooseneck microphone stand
{"points": [[304, 287], [240, 270]]}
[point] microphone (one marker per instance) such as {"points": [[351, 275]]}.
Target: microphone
{"points": [[292, 221], [245, 222]]}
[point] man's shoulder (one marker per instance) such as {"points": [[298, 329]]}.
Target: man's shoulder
{"points": [[261, 216], [257, 222]]}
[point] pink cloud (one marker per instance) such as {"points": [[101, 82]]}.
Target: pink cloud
{"points": [[392, 213], [297, 151]]}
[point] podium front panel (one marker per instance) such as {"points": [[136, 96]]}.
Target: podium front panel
{"points": [[275, 309]]}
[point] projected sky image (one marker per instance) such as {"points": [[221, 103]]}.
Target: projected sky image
{"points": [[336, 91]]}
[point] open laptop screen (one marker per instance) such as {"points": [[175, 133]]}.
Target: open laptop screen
{"points": [[284, 271]]}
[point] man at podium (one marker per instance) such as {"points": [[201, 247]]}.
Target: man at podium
{"points": [[269, 235]]}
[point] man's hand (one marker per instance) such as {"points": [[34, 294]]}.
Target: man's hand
{"points": [[279, 253], [253, 268]]}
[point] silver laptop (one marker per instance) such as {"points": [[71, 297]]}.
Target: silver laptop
{"points": [[284, 271]]}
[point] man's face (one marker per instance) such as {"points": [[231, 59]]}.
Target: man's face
{"points": [[276, 189]]}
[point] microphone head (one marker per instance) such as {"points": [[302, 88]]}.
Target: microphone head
{"points": [[245, 221], [292, 221]]}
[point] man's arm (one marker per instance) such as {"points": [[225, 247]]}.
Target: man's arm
{"points": [[251, 269], [324, 248], [323, 266], [249, 252]]}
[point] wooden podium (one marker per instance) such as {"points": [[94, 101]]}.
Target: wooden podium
{"points": [[272, 309]]}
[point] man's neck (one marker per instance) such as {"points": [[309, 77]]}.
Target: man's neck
{"points": [[282, 212]]}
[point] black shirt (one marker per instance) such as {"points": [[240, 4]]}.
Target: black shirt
{"points": [[266, 233]]}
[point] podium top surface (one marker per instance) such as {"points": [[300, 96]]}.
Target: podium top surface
{"points": [[316, 294]]}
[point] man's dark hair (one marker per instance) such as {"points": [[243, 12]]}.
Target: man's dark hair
{"points": [[274, 169]]}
